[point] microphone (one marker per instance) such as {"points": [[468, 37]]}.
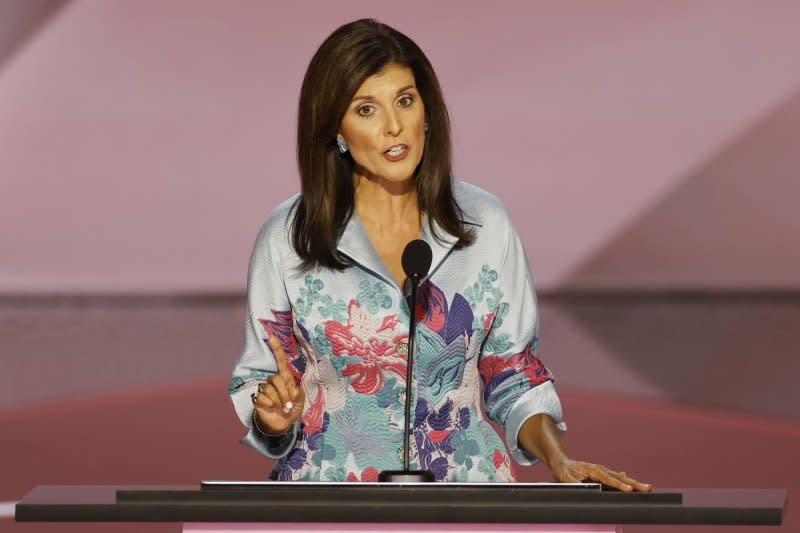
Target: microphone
{"points": [[417, 258]]}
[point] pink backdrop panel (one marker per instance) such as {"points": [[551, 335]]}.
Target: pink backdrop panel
{"points": [[142, 143]]}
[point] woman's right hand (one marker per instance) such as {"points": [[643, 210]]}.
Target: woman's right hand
{"points": [[278, 401]]}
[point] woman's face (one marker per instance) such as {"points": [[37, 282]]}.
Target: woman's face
{"points": [[384, 126]]}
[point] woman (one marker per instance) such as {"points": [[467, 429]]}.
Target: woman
{"points": [[321, 381]]}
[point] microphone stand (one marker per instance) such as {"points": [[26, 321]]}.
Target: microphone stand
{"points": [[406, 475]]}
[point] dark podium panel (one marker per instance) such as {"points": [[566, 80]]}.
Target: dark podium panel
{"points": [[406, 503]]}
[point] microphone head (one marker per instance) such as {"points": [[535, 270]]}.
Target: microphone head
{"points": [[417, 258]]}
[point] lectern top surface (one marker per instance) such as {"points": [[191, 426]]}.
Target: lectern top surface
{"points": [[229, 484]]}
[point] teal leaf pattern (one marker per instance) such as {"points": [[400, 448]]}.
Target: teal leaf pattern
{"points": [[373, 296], [333, 310]]}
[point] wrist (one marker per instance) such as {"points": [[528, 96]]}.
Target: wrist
{"points": [[540, 437], [557, 462], [265, 431]]}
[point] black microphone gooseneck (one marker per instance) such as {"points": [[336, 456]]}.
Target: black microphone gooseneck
{"points": [[417, 258]]}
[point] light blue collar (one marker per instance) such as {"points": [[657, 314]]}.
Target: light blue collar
{"points": [[355, 245]]}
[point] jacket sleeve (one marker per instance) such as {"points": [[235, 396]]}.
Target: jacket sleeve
{"points": [[268, 313], [516, 384]]}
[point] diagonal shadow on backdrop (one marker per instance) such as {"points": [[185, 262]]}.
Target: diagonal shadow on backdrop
{"points": [[728, 225], [728, 228], [20, 20]]}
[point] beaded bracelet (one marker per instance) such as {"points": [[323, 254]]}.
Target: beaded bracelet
{"points": [[267, 433]]}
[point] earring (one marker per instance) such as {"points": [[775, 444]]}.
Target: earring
{"points": [[342, 144], [426, 127]]}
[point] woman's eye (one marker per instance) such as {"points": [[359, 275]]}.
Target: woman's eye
{"points": [[405, 101], [365, 110]]}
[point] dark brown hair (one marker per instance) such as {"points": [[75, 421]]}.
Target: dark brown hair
{"points": [[349, 56]]}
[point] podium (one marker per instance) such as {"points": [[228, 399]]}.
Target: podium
{"points": [[367, 507]]}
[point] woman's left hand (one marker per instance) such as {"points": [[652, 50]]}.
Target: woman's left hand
{"points": [[571, 471]]}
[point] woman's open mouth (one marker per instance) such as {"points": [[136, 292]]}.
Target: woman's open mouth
{"points": [[397, 152]]}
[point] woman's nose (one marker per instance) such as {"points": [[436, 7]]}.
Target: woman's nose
{"points": [[393, 124]]}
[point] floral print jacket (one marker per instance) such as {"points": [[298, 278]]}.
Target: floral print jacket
{"points": [[345, 334]]}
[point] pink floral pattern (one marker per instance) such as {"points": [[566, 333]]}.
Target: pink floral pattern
{"points": [[368, 474], [371, 348], [497, 368]]}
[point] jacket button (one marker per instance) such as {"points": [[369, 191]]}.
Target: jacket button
{"points": [[402, 348]]}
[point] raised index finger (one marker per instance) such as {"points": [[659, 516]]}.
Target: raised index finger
{"points": [[280, 355]]}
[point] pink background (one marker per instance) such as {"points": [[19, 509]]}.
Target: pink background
{"points": [[647, 149], [636, 143]]}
